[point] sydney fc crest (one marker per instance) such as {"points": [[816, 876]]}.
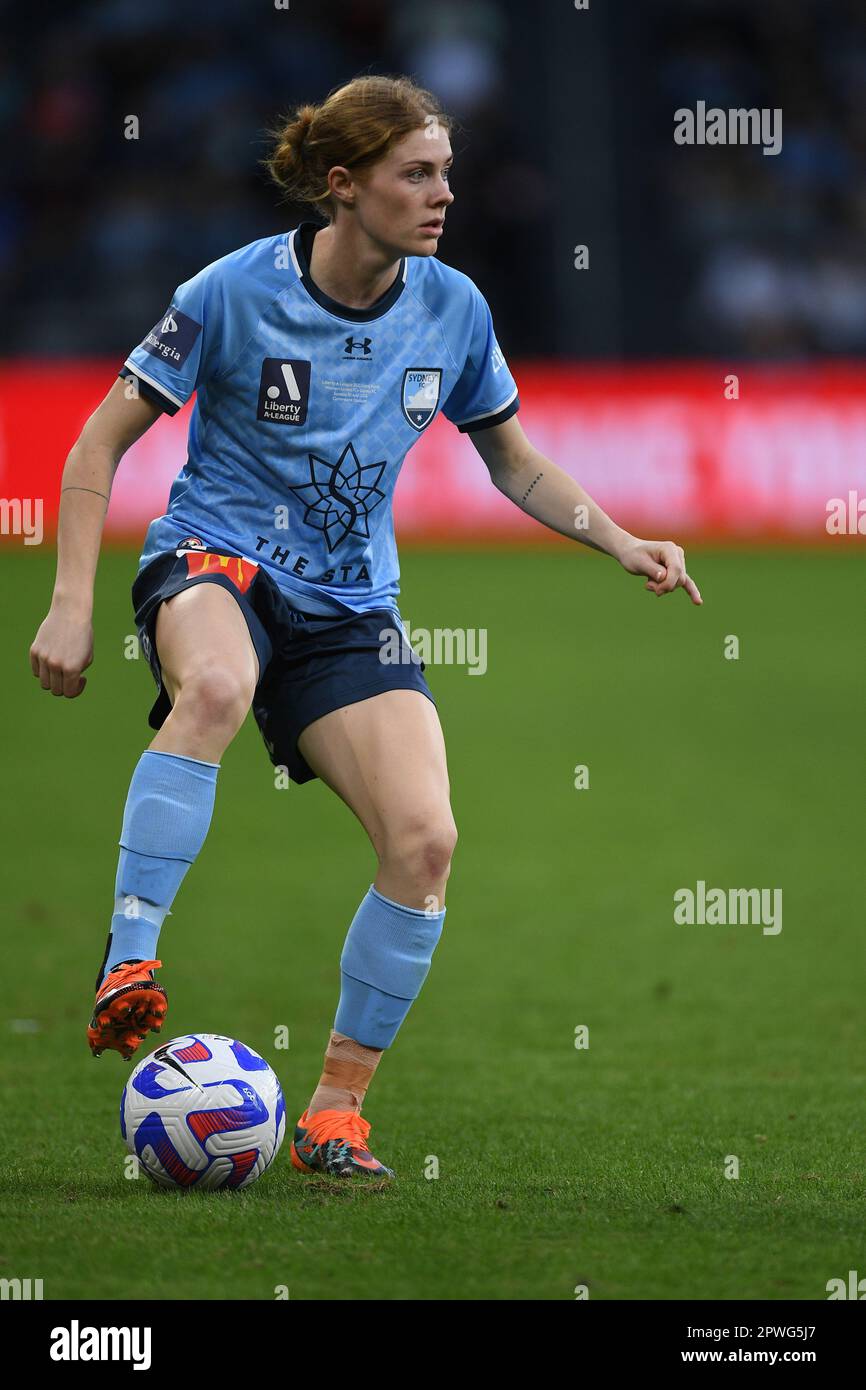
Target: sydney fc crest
{"points": [[421, 388]]}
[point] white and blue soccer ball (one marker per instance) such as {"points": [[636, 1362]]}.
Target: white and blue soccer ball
{"points": [[203, 1111]]}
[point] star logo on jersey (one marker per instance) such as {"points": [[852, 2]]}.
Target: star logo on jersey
{"points": [[340, 496], [284, 391], [420, 395]]}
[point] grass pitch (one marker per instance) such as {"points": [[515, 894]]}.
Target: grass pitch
{"points": [[558, 1166]]}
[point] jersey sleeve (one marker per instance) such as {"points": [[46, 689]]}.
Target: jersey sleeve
{"points": [[485, 393], [182, 350]]}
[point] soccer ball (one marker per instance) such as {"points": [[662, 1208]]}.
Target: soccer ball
{"points": [[203, 1111]]}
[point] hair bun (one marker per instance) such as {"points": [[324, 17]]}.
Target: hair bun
{"points": [[306, 116]]}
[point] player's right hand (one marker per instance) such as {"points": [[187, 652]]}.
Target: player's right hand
{"points": [[61, 650]]}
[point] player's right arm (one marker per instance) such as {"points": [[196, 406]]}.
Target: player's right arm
{"points": [[63, 646]]}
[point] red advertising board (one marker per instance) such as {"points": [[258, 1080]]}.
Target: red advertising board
{"points": [[714, 451]]}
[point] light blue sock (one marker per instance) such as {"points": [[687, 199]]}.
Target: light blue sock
{"points": [[384, 963], [168, 812]]}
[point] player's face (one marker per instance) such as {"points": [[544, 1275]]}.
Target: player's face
{"points": [[401, 200]]}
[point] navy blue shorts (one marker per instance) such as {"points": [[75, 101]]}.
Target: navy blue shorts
{"points": [[308, 665]]}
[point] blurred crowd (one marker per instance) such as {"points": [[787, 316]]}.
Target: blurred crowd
{"points": [[762, 255], [97, 229], [773, 247]]}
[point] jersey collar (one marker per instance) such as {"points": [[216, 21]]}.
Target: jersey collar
{"points": [[300, 248]]}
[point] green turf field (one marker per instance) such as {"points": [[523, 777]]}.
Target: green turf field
{"points": [[557, 1166]]}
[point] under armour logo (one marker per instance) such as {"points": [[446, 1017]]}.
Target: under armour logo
{"points": [[358, 344]]}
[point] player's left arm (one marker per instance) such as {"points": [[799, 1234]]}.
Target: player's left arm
{"points": [[544, 491]]}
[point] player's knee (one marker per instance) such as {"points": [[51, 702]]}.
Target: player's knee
{"points": [[422, 848], [218, 698]]}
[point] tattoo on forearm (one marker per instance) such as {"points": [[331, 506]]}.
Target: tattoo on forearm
{"points": [[531, 486], [71, 488]]}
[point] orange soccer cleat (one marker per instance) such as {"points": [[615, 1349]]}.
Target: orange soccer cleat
{"points": [[128, 1003], [335, 1142]]}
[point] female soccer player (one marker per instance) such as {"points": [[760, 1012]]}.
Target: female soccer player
{"points": [[318, 357]]}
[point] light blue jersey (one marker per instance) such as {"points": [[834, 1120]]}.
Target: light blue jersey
{"points": [[305, 410]]}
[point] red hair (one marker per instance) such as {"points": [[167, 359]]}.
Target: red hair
{"points": [[355, 126]]}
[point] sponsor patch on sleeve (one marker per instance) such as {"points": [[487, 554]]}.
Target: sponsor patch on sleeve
{"points": [[172, 339]]}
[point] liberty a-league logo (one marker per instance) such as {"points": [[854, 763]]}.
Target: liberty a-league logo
{"points": [[420, 395], [172, 338], [284, 391]]}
